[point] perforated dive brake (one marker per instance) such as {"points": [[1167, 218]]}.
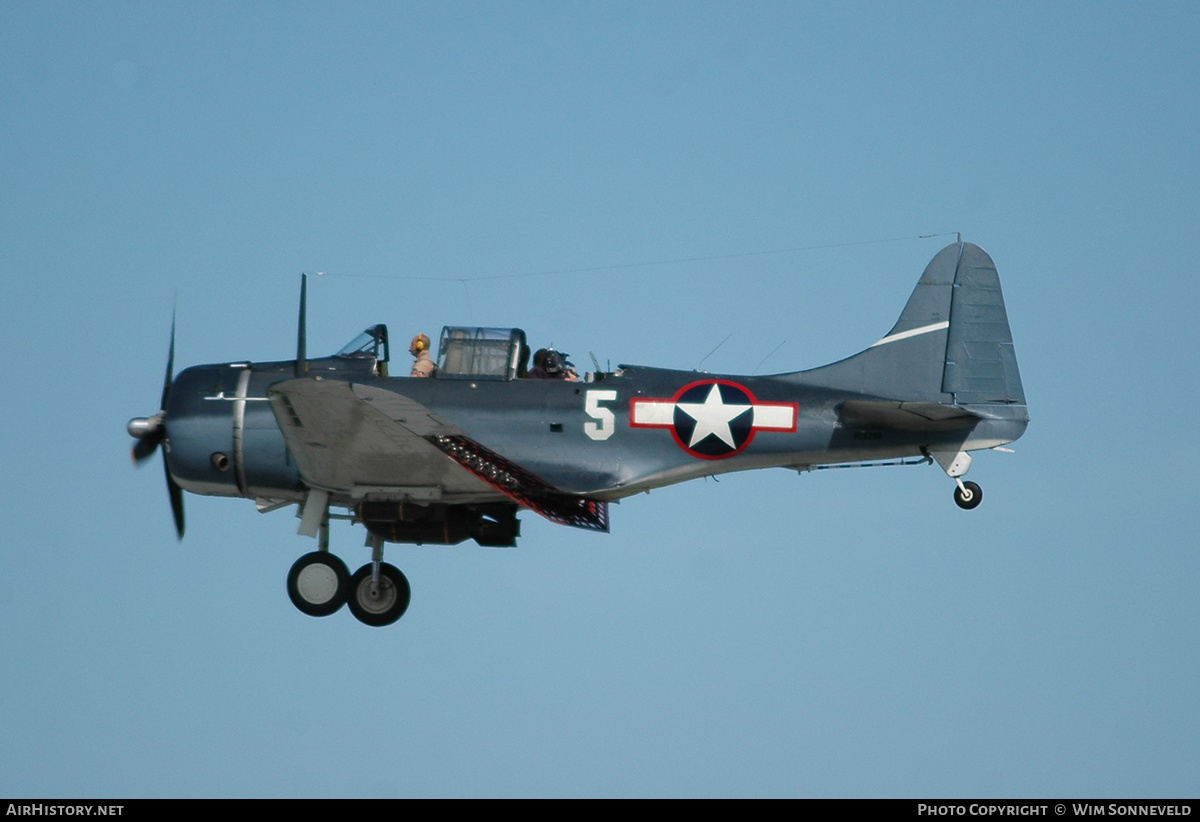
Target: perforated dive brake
{"points": [[524, 487]]}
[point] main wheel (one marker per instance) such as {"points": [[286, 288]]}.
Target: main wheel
{"points": [[971, 498], [317, 583], [379, 603]]}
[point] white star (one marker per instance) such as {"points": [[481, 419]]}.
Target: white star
{"points": [[712, 417]]}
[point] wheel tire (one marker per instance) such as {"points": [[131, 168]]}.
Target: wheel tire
{"points": [[387, 604], [971, 499], [318, 583]]}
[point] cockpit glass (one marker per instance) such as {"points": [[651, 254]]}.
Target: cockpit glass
{"points": [[370, 343]]}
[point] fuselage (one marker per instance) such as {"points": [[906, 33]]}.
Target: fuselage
{"points": [[616, 435]]}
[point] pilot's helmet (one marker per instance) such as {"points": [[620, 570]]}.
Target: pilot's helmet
{"points": [[419, 343]]}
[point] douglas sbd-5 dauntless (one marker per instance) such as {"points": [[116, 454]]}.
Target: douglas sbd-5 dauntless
{"points": [[455, 457]]}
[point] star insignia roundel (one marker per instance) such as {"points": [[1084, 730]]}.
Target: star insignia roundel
{"points": [[713, 419]]}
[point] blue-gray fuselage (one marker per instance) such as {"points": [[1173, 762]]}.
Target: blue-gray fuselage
{"points": [[581, 437]]}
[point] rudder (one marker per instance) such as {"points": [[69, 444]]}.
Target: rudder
{"points": [[981, 363]]}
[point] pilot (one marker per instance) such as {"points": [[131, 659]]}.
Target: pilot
{"points": [[419, 348], [548, 364]]}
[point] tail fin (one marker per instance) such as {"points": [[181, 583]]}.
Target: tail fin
{"points": [[951, 345]]}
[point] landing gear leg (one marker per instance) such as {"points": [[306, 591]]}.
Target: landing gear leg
{"points": [[968, 494], [379, 593]]}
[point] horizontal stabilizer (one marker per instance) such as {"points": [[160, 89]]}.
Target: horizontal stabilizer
{"points": [[906, 416]]}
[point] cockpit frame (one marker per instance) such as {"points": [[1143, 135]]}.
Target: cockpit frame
{"points": [[472, 353]]}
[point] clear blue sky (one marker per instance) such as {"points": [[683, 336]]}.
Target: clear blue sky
{"points": [[842, 633]]}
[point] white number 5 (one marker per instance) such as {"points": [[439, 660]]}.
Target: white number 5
{"points": [[603, 429]]}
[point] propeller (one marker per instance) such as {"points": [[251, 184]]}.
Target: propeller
{"points": [[150, 432]]}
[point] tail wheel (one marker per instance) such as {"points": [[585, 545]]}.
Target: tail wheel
{"points": [[318, 583], [378, 603], [968, 495]]}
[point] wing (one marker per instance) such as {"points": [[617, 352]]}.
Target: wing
{"points": [[342, 444], [357, 440]]}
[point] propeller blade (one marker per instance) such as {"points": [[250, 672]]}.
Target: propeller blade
{"points": [[162, 406], [146, 445], [176, 494], [151, 432]]}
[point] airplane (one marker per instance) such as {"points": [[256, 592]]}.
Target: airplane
{"points": [[456, 456]]}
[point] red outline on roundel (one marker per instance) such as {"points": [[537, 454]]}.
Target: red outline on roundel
{"points": [[754, 429]]}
